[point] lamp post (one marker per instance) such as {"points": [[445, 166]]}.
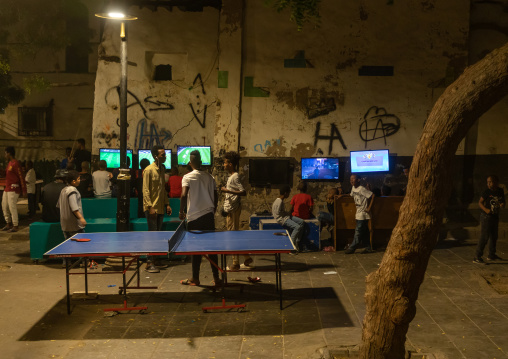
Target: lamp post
{"points": [[123, 180]]}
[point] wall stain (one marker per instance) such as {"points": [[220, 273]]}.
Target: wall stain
{"points": [[276, 149], [302, 150], [428, 5], [345, 64], [287, 98], [364, 15]]}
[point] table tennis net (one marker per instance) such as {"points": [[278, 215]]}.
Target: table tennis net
{"points": [[175, 240]]}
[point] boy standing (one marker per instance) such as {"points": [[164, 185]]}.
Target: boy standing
{"points": [[491, 201], [232, 202], [155, 198], [71, 210], [14, 186], [293, 224], [363, 200]]}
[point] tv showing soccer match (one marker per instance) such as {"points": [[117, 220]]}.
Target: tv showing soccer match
{"points": [[183, 154], [142, 153], [320, 169], [112, 157], [369, 161]]}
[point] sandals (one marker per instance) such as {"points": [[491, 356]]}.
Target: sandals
{"points": [[189, 282]]}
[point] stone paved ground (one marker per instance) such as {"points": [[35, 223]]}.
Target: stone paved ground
{"points": [[462, 311]]}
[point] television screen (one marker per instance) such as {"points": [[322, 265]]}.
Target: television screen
{"points": [[183, 153], [264, 172], [320, 169], [370, 161], [112, 157], [148, 155]]}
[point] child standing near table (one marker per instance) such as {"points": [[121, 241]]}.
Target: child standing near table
{"points": [[71, 210], [232, 203]]}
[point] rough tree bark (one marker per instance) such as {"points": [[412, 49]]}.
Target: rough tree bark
{"points": [[392, 290]]}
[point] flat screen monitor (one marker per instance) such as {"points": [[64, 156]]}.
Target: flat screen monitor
{"points": [[148, 155], [320, 169], [183, 154], [112, 157], [265, 172], [370, 161]]}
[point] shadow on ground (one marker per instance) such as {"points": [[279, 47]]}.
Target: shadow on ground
{"points": [[179, 315]]}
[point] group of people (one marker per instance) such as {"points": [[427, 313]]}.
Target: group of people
{"points": [[199, 200], [301, 209]]}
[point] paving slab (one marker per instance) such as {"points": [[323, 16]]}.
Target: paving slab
{"points": [[460, 311]]}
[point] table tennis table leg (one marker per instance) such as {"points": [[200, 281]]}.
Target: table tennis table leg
{"points": [[67, 284], [278, 273], [125, 308], [86, 275], [222, 269]]}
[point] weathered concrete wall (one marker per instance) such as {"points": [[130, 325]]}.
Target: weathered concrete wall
{"points": [[318, 93], [366, 79], [177, 112], [318, 83], [72, 95]]}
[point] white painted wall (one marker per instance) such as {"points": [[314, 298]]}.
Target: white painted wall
{"points": [[162, 110]]}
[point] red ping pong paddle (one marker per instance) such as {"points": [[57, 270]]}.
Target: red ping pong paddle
{"points": [[81, 239]]}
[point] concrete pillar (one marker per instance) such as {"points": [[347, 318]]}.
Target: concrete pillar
{"points": [[229, 92]]}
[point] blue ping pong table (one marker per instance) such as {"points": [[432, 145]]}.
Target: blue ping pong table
{"points": [[130, 246]]}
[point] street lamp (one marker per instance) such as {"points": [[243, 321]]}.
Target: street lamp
{"points": [[123, 183]]}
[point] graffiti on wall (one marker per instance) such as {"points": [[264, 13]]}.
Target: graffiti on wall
{"points": [[334, 135], [198, 109], [377, 124], [107, 137], [148, 130], [149, 135], [320, 106], [147, 105]]}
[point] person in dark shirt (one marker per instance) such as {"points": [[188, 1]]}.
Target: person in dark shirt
{"points": [[67, 159], [85, 187], [81, 154], [139, 186], [491, 201], [49, 197]]}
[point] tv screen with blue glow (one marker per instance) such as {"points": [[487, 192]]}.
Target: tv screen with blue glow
{"points": [[112, 157], [370, 161], [320, 169], [183, 154], [148, 155]]}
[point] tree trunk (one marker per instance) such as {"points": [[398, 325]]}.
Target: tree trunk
{"points": [[392, 290]]}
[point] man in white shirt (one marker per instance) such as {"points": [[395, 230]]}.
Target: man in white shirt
{"points": [[363, 200], [198, 203]]}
